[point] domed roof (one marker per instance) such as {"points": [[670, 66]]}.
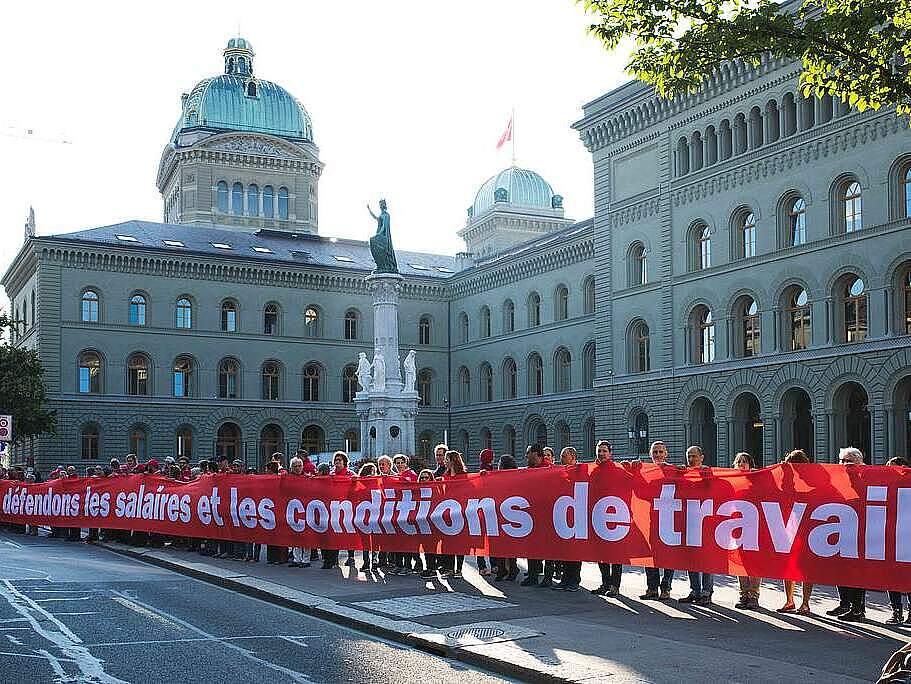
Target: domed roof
{"points": [[516, 187], [240, 44], [238, 101]]}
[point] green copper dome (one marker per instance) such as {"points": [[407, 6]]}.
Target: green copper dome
{"points": [[516, 187], [238, 101]]}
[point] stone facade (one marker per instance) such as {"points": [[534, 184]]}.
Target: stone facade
{"points": [[708, 301]]}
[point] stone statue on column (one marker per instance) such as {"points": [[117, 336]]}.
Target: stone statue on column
{"points": [[363, 372], [379, 372], [411, 376]]}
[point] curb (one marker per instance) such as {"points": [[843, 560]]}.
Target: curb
{"points": [[490, 663]]}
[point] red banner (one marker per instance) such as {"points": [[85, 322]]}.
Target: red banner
{"points": [[825, 524]]}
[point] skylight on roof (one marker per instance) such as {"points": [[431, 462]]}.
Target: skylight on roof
{"points": [[419, 267], [263, 250], [126, 238], [443, 269], [174, 243], [220, 245], [346, 259]]}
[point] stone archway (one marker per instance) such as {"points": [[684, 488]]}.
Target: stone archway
{"points": [[797, 421], [702, 429], [747, 427], [851, 415], [901, 411]]}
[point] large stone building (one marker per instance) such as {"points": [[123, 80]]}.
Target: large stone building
{"points": [[745, 284]]}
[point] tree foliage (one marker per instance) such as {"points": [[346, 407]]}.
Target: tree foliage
{"points": [[22, 391], [855, 50]]}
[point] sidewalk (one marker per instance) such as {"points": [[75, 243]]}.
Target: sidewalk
{"points": [[555, 636]]}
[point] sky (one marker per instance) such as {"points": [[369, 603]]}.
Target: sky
{"points": [[408, 100]]}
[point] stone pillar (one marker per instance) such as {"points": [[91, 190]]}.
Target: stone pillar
{"points": [[387, 415]]}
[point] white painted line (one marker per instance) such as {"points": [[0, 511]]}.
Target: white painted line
{"points": [[13, 640], [88, 612], [25, 655], [72, 598], [15, 629], [196, 639], [54, 662], [293, 674], [53, 630], [136, 608]]}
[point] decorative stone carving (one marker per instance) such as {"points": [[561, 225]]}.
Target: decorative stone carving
{"points": [[379, 372], [246, 145], [363, 371], [411, 374]]}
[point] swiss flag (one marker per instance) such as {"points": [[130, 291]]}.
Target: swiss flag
{"points": [[507, 135]]}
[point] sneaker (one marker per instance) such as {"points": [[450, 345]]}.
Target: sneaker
{"points": [[705, 600], [612, 592], [896, 619], [742, 604], [852, 616], [690, 598], [648, 596], [665, 595], [838, 611], [559, 587], [600, 591], [530, 581]]}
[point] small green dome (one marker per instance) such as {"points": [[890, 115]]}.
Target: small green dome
{"points": [[240, 44], [516, 187]]}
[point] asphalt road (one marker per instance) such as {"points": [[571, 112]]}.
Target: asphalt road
{"points": [[93, 616]]}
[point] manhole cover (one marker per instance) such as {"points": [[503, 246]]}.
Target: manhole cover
{"points": [[481, 633]]}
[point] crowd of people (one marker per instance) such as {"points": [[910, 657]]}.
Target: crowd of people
{"points": [[541, 573]]}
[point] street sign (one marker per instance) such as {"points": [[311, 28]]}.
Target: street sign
{"points": [[6, 428]]}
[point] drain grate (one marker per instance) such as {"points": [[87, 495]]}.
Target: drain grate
{"points": [[480, 633]]}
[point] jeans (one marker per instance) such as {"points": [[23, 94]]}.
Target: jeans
{"points": [[657, 576], [610, 574], [300, 555], [701, 583], [855, 599]]}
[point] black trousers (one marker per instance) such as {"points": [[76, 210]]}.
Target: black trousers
{"points": [[572, 573], [853, 597], [895, 598], [610, 574]]}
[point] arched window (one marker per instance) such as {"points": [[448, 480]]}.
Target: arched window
{"points": [[139, 442], [270, 376], [268, 202], [564, 436], [905, 193], [588, 366], [486, 439], [311, 382], [740, 134], [703, 325], [850, 201], [89, 307], [534, 310], [797, 319], [464, 386], [137, 310], [91, 442], [535, 376], [588, 439], [748, 317], [183, 313], [228, 316], [746, 232], [509, 439], [349, 383], [563, 370], [253, 200], [251, 89], [906, 305], [311, 322], [138, 375], [637, 264], [221, 201], [424, 330], [484, 322], [271, 439], [184, 446], [640, 348], [640, 432], [795, 221], [755, 128], [485, 381], [228, 379], [588, 294], [855, 304], [725, 139], [227, 441], [510, 379], [89, 373], [425, 387], [283, 203], [509, 316], [561, 303], [683, 157], [711, 146], [463, 327], [237, 199], [696, 146], [184, 377], [351, 324], [700, 247], [270, 319]]}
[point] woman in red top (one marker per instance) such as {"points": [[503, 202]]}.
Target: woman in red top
{"points": [[455, 467], [340, 469]]}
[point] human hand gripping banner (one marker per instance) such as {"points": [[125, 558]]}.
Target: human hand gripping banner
{"points": [[825, 524]]}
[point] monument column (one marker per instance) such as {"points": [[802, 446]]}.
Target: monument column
{"points": [[385, 288]]}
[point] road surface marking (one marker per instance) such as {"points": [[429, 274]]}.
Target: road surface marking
{"points": [[293, 674], [214, 638], [136, 608], [53, 630], [13, 640], [88, 612], [72, 598]]}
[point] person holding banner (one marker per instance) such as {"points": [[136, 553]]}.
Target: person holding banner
{"points": [[852, 600], [507, 568], [656, 578], [300, 557], [806, 588], [749, 586], [534, 458], [896, 597], [701, 583], [572, 570], [611, 573]]}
